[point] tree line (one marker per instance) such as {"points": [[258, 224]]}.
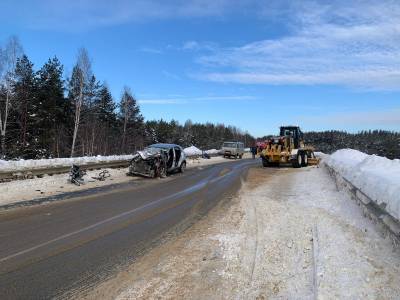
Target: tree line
{"points": [[379, 142], [43, 114]]}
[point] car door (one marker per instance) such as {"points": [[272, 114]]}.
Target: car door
{"points": [[177, 156]]}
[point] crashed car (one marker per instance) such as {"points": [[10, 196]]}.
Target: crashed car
{"points": [[157, 160]]}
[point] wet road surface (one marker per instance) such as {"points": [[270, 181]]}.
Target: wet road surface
{"points": [[64, 248]]}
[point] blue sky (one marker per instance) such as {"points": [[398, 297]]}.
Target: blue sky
{"points": [[253, 64]]}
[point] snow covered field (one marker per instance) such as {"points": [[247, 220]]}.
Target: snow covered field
{"points": [[377, 177]]}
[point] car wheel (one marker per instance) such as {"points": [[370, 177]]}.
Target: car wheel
{"points": [[182, 168], [163, 172]]}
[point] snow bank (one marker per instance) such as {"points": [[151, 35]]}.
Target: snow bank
{"points": [[377, 177], [212, 151], [192, 151], [321, 155], [20, 165]]}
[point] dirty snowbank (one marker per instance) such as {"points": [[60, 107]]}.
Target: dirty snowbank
{"points": [[377, 177], [20, 165]]}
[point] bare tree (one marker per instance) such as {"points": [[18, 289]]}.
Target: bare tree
{"points": [[83, 73], [8, 60]]}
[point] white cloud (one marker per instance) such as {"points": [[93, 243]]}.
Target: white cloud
{"points": [[379, 118], [190, 45], [88, 14], [170, 75], [181, 99], [151, 50], [199, 46], [353, 43]]}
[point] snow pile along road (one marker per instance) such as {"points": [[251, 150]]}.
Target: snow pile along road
{"points": [[377, 177], [212, 152], [21, 165], [29, 164], [192, 151]]}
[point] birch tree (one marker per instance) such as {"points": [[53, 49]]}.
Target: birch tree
{"points": [[80, 76], [8, 60]]}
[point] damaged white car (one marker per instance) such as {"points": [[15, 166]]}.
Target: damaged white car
{"points": [[157, 160]]}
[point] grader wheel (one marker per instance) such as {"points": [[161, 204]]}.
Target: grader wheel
{"points": [[298, 162]]}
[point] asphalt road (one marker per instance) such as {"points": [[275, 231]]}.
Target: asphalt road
{"points": [[64, 248]]}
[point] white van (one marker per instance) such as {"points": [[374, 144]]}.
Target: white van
{"points": [[235, 149]]}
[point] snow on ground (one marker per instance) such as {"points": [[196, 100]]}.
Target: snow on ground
{"points": [[212, 151], [192, 151], [377, 177], [17, 165], [24, 190], [289, 234]]}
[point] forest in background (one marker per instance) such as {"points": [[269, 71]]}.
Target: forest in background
{"points": [[379, 142], [44, 115]]}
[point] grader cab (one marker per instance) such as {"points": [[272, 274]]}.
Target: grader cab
{"points": [[288, 147]]}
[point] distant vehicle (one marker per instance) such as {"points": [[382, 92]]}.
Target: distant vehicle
{"points": [[233, 149], [157, 160]]}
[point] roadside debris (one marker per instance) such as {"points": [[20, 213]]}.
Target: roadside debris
{"points": [[76, 175], [102, 175]]}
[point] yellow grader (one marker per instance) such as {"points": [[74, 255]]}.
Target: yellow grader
{"points": [[288, 147]]}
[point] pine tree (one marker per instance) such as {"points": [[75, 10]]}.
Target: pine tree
{"points": [[27, 108], [53, 110], [89, 116], [106, 121], [132, 121], [75, 96]]}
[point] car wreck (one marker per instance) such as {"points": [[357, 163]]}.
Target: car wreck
{"points": [[158, 160]]}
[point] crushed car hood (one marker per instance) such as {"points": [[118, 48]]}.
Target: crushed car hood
{"points": [[147, 153]]}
